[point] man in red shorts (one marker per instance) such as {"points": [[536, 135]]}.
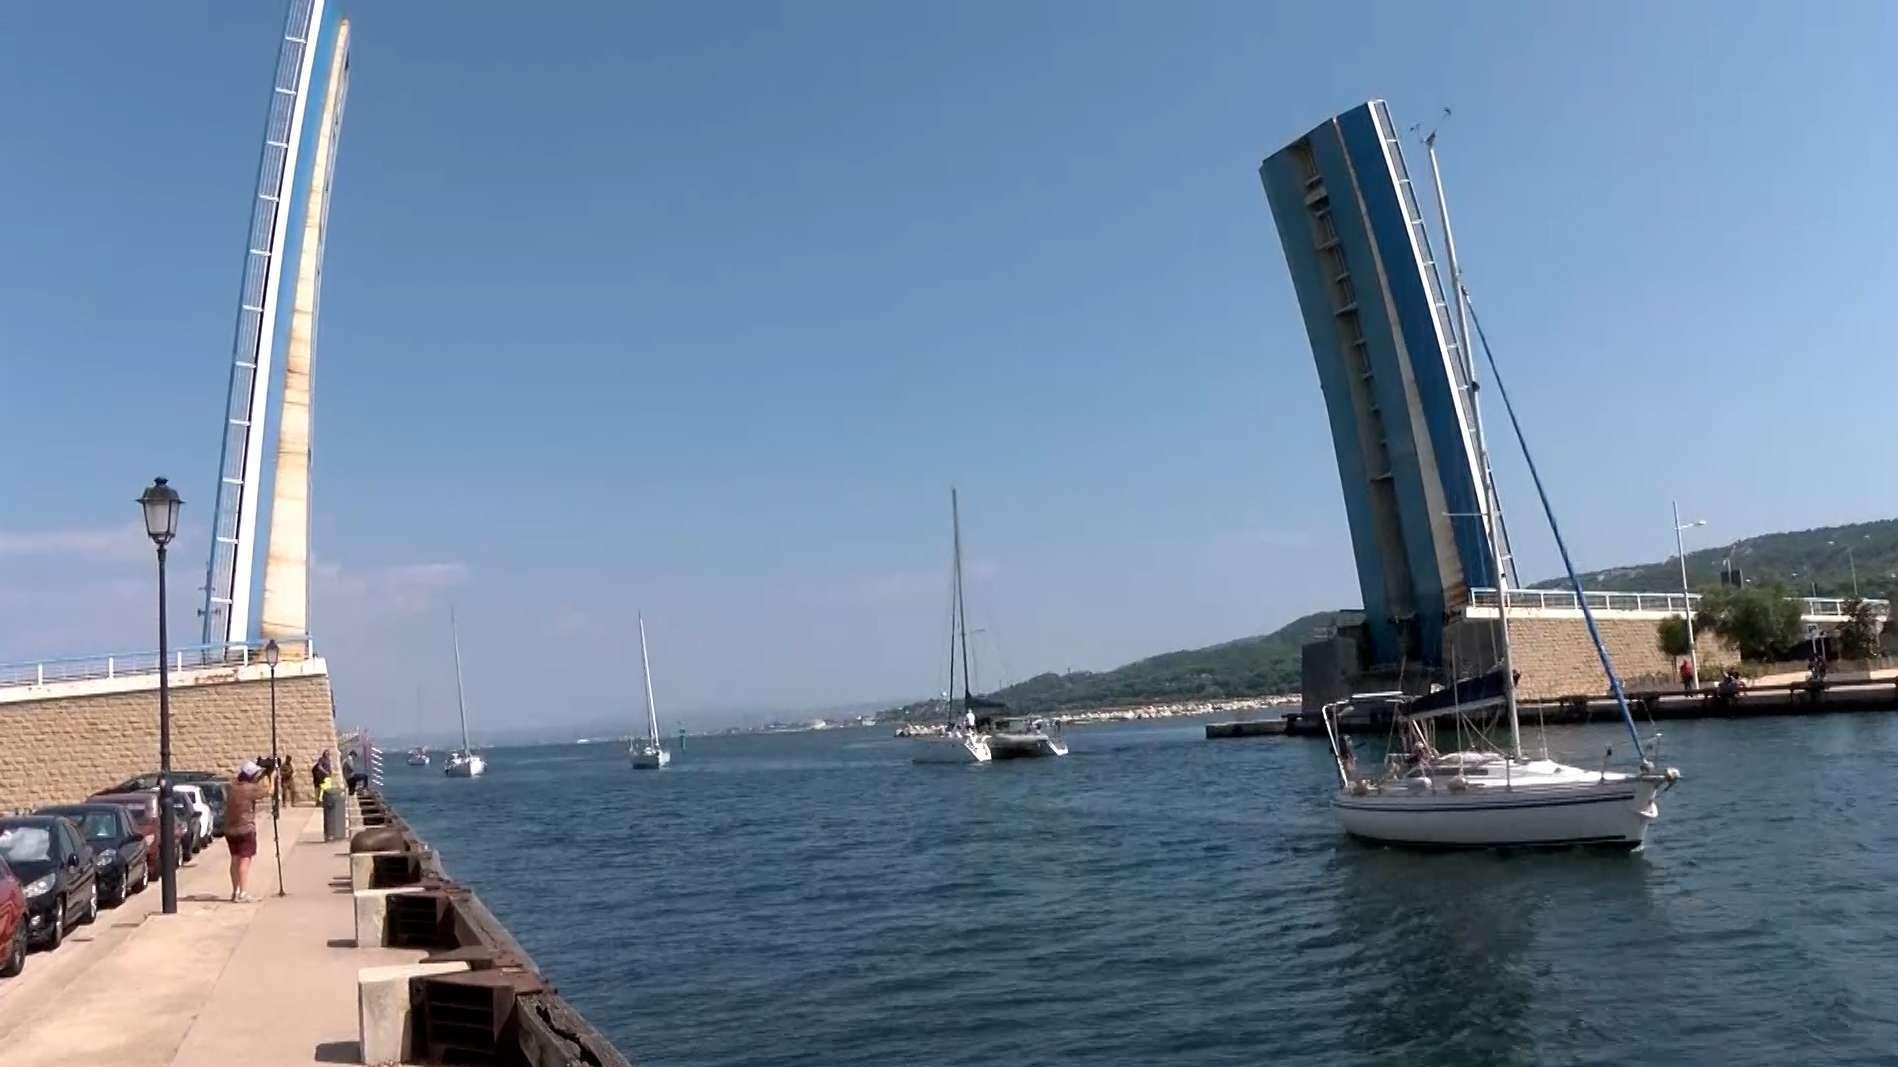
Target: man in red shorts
{"points": [[240, 824]]}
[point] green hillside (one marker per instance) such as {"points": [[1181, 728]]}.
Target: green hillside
{"points": [[1250, 666], [1255, 666], [1798, 560]]}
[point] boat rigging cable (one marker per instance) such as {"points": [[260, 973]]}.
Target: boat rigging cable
{"points": [[1568, 565]]}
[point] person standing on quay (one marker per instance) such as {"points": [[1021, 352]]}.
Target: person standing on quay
{"points": [[319, 773], [240, 823], [287, 781]]}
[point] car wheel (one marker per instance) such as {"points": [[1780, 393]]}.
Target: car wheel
{"points": [[59, 927], [144, 876], [16, 954], [116, 897], [92, 903]]}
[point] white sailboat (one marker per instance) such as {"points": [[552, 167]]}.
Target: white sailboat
{"points": [[1030, 740], [418, 756], [1479, 797], [648, 753], [962, 741], [462, 762]]}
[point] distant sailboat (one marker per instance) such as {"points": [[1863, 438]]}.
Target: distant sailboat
{"points": [[418, 756], [462, 763], [649, 752], [964, 741]]}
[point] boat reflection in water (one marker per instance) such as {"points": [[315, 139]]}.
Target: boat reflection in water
{"points": [[1480, 957]]}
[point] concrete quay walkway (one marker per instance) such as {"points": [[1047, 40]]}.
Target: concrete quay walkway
{"points": [[264, 984]]}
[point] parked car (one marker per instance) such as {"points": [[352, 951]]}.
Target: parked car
{"points": [[211, 783], [144, 808], [12, 923], [56, 869], [118, 849], [184, 812], [202, 825]]}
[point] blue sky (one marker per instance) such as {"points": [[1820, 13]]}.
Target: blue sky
{"points": [[699, 310]]}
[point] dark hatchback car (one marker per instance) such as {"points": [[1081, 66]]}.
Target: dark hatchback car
{"points": [[118, 849], [144, 806], [55, 867], [211, 782]]}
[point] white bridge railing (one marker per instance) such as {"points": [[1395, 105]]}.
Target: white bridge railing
{"points": [[1815, 607], [131, 664]]}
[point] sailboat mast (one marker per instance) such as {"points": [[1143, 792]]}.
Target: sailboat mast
{"points": [[461, 699], [955, 609], [962, 612], [645, 666], [1492, 507]]}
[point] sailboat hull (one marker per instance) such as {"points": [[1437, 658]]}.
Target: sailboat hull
{"points": [[950, 748], [650, 758], [1035, 745], [1614, 813], [465, 768]]}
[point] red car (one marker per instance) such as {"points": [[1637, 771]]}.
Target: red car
{"points": [[12, 923]]}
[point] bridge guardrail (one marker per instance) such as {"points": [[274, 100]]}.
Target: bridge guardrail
{"points": [[1675, 603], [132, 664]]}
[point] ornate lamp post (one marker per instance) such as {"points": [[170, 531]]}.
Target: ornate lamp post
{"points": [[272, 654], [160, 504]]}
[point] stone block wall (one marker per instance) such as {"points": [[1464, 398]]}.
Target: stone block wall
{"points": [[1556, 658], [63, 748]]}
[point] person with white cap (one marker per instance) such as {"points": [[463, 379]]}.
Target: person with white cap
{"points": [[240, 822]]}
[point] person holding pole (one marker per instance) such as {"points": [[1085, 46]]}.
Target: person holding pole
{"points": [[240, 824]]}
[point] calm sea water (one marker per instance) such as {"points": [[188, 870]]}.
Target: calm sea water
{"points": [[1156, 898]]}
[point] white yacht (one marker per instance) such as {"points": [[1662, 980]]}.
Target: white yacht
{"points": [[648, 752], [1489, 796], [462, 762]]}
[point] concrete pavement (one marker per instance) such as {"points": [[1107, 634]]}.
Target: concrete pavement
{"points": [[265, 984]]}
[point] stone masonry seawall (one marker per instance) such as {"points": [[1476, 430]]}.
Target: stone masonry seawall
{"points": [[65, 748], [1557, 659]]}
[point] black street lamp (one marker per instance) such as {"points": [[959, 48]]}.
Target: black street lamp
{"points": [[160, 503], [271, 655]]}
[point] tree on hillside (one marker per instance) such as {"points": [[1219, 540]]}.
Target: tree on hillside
{"points": [[1759, 620], [1672, 639], [1858, 636]]}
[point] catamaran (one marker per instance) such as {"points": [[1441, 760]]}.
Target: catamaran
{"points": [[462, 762], [965, 740], [1029, 740], [648, 753], [1480, 795]]}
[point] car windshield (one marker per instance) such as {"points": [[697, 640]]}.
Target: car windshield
{"points": [[25, 844], [100, 826]]}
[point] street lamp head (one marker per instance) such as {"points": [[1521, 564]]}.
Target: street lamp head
{"points": [[272, 654], [160, 503]]}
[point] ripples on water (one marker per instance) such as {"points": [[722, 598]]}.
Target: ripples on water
{"points": [[1157, 898]]}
